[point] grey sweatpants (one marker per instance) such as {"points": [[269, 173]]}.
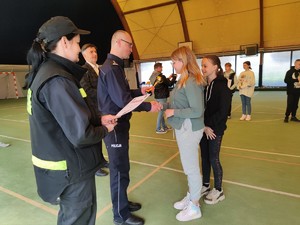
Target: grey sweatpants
{"points": [[188, 143]]}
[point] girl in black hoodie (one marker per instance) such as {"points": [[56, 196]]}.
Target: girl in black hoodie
{"points": [[217, 103]]}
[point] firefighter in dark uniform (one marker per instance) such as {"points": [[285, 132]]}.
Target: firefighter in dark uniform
{"points": [[65, 131], [113, 94]]}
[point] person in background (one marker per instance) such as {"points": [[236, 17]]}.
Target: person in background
{"points": [[4, 145], [230, 75], [185, 114], [217, 102], [246, 85], [113, 94], [89, 83], [161, 86], [292, 80], [65, 131]]}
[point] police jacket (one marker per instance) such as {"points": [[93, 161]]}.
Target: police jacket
{"points": [[291, 77], [65, 132], [217, 102], [113, 89], [162, 86]]}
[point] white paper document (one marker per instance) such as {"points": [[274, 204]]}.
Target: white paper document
{"points": [[135, 102]]}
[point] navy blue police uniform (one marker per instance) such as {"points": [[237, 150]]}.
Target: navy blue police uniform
{"points": [[113, 94]]}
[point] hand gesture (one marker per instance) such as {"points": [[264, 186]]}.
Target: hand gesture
{"points": [[108, 119], [110, 127], [155, 106], [145, 90], [209, 133], [169, 112]]}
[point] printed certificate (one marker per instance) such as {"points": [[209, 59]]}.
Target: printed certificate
{"points": [[135, 102]]}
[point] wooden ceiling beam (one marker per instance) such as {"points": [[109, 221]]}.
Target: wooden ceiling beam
{"points": [[121, 16]]}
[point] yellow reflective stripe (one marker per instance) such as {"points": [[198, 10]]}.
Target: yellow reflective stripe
{"points": [[82, 92], [29, 108], [49, 165]]}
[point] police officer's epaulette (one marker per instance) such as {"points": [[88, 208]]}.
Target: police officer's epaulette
{"points": [[113, 62]]}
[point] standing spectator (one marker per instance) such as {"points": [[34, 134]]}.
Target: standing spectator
{"points": [[65, 130], [217, 102], [292, 80], [89, 83], [185, 114], [230, 75], [113, 94], [161, 93], [246, 84]]}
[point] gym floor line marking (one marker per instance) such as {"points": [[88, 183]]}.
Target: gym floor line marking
{"points": [[14, 138], [261, 159], [29, 201], [102, 211], [230, 154], [139, 183], [234, 148], [261, 152], [228, 181], [17, 121], [162, 139]]}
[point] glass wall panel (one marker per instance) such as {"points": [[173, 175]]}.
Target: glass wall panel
{"points": [[148, 67], [275, 66], [226, 59], [254, 60], [296, 55]]}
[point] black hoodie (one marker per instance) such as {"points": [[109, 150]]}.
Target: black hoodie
{"points": [[217, 101]]}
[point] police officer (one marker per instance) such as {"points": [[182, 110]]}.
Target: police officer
{"points": [[65, 130], [113, 94]]}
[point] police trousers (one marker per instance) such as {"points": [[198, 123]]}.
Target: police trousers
{"points": [[117, 145]]}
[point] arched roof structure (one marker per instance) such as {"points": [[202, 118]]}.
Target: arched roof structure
{"points": [[215, 26]]}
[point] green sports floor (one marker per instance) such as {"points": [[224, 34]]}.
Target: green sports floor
{"points": [[260, 159]]}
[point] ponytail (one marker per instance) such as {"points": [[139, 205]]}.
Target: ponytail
{"points": [[37, 55]]}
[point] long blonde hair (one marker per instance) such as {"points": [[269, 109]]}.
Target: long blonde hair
{"points": [[190, 66]]}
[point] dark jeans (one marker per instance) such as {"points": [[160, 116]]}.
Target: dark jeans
{"points": [[210, 154], [78, 204], [230, 105], [292, 104]]}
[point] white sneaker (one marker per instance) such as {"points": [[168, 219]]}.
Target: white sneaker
{"points": [[214, 196], [3, 145], [190, 212], [248, 117], [243, 117], [182, 203], [204, 190]]}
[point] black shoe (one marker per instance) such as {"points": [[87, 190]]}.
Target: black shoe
{"points": [[104, 164], [134, 206], [294, 118], [132, 220], [286, 119], [101, 173]]}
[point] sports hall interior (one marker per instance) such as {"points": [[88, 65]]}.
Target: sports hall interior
{"points": [[260, 158]]}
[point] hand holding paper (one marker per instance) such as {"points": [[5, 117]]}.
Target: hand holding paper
{"points": [[132, 105]]}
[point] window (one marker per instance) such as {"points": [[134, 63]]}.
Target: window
{"points": [[296, 55], [148, 67], [226, 59], [275, 66]]}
